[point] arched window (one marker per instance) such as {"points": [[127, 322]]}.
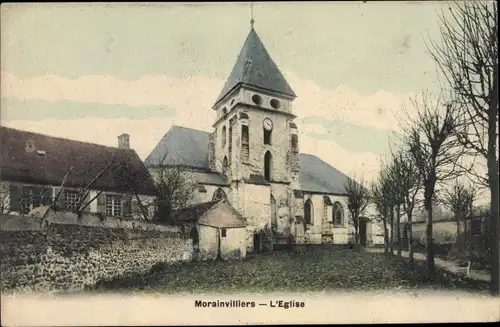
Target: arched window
{"points": [[219, 194], [268, 165], [338, 214], [224, 166], [223, 136], [308, 212]]}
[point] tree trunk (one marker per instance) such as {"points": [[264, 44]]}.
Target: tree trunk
{"points": [[459, 243], [391, 243], [356, 230], [386, 237], [429, 241], [398, 230], [410, 241], [410, 235], [494, 224]]}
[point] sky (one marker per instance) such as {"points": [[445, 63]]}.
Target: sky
{"points": [[91, 72]]}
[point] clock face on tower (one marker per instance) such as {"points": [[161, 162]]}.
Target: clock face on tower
{"points": [[268, 124]]}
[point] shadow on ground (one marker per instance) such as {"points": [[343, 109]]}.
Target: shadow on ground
{"points": [[313, 270]]}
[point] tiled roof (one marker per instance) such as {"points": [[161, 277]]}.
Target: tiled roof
{"points": [[255, 67], [192, 213], [189, 147], [319, 177], [225, 217], [34, 158], [181, 146]]}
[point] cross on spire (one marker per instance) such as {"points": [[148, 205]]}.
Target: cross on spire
{"points": [[251, 20]]}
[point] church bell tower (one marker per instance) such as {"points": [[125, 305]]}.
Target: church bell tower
{"points": [[255, 140]]}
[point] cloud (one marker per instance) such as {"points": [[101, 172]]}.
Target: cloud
{"points": [[146, 133], [198, 93], [191, 99]]}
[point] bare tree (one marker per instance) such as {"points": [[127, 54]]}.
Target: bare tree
{"points": [[408, 183], [358, 197], [468, 58], [460, 201], [174, 188], [435, 152], [380, 191]]}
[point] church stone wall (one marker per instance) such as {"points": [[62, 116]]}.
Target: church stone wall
{"points": [[282, 196], [205, 193], [257, 207], [278, 148]]}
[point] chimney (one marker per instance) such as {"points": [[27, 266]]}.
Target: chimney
{"points": [[124, 141]]}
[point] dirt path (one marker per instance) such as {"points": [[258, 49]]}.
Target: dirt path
{"points": [[449, 266]]}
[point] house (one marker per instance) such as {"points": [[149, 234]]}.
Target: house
{"points": [[252, 159], [216, 228], [33, 167]]}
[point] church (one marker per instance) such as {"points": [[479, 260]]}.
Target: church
{"points": [[251, 159]]}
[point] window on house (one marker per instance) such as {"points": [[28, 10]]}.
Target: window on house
{"points": [[338, 214], [32, 197], [308, 212], [475, 227], [224, 111], [223, 136], [245, 146], [224, 232], [113, 205], [268, 163], [70, 199]]}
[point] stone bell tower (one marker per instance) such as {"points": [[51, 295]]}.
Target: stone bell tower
{"points": [[255, 141]]}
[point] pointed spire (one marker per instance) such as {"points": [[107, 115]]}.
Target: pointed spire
{"points": [[254, 66]]}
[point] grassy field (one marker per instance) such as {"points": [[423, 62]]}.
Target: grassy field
{"points": [[317, 270]]}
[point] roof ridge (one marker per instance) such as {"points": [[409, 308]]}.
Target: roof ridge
{"points": [[66, 139]]}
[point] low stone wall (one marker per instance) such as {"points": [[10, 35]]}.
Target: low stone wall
{"points": [[50, 255]]}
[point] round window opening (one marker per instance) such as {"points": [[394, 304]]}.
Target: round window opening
{"points": [[257, 99], [275, 104]]}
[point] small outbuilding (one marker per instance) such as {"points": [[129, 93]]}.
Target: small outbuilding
{"points": [[216, 228]]}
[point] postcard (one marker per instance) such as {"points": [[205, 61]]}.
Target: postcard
{"points": [[249, 163]]}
